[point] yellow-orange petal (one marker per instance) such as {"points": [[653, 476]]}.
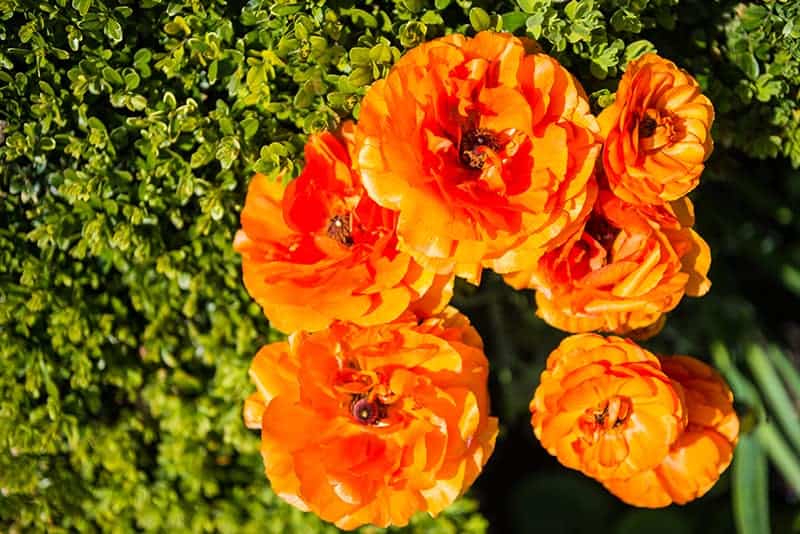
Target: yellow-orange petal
{"points": [[657, 133], [399, 412], [605, 407], [320, 249], [701, 453], [478, 177]]}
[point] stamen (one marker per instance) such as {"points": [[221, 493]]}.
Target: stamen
{"points": [[611, 414], [647, 127], [339, 230], [600, 417], [602, 231], [472, 140], [367, 412]]}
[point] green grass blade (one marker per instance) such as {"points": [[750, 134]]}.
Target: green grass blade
{"points": [[787, 370], [775, 392], [744, 391], [750, 487], [780, 453]]}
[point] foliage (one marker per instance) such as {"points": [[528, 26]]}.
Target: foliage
{"points": [[128, 130]]}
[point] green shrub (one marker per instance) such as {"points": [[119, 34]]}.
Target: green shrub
{"points": [[128, 131]]}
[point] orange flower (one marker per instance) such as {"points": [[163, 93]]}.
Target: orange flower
{"points": [[485, 149], [605, 407], [703, 451], [656, 132], [321, 250], [626, 268], [370, 425]]}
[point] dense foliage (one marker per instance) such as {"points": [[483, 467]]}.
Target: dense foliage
{"points": [[128, 132]]}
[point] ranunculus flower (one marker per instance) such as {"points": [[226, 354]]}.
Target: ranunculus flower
{"points": [[605, 407], [657, 132], [368, 425], [485, 148], [626, 268], [321, 250], [701, 453]]}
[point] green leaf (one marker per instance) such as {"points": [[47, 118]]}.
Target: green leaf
{"points": [[362, 17], [625, 21], [753, 16], [790, 276], [479, 19], [74, 38], [578, 9], [432, 18], [202, 156], [527, 6], [47, 143], [359, 56], [286, 9], [412, 33], [750, 487], [514, 20], [775, 393], [767, 88], [637, 49], [138, 102], [213, 70], [249, 127], [143, 55], [46, 88], [744, 391], [113, 30], [185, 187], [534, 25], [360, 77], [381, 53], [131, 78], [112, 76], [782, 456], [747, 62], [787, 369], [227, 151], [82, 6], [604, 97], [300, 31], [59, 53], [302, 99]]}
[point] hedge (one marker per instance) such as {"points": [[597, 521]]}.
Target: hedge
{"points": [[128, 132]]}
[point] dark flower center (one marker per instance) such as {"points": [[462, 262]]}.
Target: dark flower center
{"points": [[367, 412], [339, 230], [602, 231], [607, 415], [471, 141], [647, 127], [614, 413]]}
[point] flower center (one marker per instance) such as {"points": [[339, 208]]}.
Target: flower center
{"points": [[366, 394], [647, 127], [602, 231], [657, 129], [610, 414], [339, 230], [367, 412], [472, 151]]}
